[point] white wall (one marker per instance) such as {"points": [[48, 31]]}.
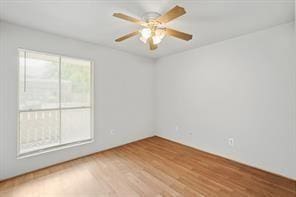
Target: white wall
{"points": [[243, 88], [124, 96]]}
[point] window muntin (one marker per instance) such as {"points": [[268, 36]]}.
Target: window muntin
{"points": [[55, 101]]}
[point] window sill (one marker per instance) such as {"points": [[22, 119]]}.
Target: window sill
{"points": [[53, 149]]}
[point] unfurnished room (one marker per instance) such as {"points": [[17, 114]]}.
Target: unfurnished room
{"points": [[149, 98]]}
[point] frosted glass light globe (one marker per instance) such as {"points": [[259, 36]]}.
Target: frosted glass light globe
{"points": [[146, 33], [159, 35], [156, 39], [143, 39]]}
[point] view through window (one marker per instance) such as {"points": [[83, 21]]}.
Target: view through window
{"points": [[55, 101]]}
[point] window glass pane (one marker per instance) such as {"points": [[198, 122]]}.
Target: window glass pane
{"points": [[80, 130], [47, 118], [38, 81], [39, 129], [76, 82]]}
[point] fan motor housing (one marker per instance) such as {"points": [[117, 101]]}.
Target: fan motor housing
{"points": [[150, 16]]}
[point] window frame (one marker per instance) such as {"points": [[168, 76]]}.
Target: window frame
{"points": [[21, 155]]}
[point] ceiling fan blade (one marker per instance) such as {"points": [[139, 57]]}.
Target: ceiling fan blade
{"points": [[171, 14], [151, 44], [178, 34], [127, 36], [129, 18]]}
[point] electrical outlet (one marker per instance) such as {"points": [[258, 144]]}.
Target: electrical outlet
{"points": [[230, 141], [112, 132]]}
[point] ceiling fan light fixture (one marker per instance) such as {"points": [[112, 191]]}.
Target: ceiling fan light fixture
{"points": [[158, 36], [154, 27], [146, 33], [144, 40], [156, 39]]}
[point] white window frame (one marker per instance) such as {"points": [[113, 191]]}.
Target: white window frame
{"points": [[92, 107]]}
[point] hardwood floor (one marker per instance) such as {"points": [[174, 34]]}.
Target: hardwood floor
{"points": [[150, 167]]}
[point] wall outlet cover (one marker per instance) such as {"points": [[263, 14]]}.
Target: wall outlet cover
{"points": [[230, 141]]}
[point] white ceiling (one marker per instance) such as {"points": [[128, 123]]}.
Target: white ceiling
{"points": [[208, 20]]}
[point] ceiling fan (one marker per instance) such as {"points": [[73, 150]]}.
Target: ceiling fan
{"points": [[155, 27]]}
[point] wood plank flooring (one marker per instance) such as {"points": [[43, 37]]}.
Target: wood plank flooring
{"points": [[150, 167]]}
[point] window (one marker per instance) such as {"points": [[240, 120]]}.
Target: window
{"points": [[55, 102]]}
